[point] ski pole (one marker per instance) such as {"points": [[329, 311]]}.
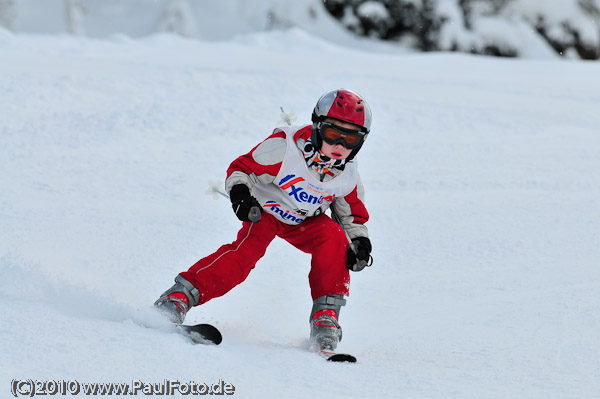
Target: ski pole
{"points": [[253, 214], [361, 264]]}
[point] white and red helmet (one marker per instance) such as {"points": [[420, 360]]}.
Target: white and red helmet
{"points": [[344, 105]]}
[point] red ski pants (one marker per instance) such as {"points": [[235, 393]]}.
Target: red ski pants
{"points": [[217, 274]]}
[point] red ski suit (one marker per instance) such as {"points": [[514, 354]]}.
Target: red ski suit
{"points": [[318, 235]]}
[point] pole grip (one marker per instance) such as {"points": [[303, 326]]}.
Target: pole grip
{"points": [[254, 214]]}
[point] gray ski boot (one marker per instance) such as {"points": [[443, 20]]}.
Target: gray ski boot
{"points": [[325, 330], [171, 303]]}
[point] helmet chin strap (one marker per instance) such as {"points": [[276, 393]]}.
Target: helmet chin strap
{"points": [[354, 152], [315, 137]]}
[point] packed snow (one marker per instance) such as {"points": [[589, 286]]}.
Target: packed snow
{"points": [[482, 184]]}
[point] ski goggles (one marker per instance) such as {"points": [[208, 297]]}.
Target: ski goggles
{"points": [[333, 134]]}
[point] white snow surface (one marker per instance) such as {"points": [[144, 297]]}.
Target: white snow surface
{"points": [[482, 184]]}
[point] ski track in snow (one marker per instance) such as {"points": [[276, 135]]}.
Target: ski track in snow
{"points": [[482, 183]]}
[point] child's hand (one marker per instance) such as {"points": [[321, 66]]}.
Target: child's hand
{"points": [[245, 206], [359, 254]]}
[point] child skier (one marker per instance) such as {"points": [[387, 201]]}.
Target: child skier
{"points": [[283, 188]]}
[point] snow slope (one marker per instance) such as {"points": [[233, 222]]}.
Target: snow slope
{"points": [[482, 182]]}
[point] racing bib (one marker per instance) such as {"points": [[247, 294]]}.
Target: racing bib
{"points": [[296, 193]]}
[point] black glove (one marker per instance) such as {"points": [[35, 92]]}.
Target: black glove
{"points": [[245, 206], [359, 254]]}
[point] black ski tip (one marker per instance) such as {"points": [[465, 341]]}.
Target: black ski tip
{"points": [[206, 334], [331, 356], [341, 358]]}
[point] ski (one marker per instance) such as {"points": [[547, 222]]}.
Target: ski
{"points": [[336, 357], [205, 334]]}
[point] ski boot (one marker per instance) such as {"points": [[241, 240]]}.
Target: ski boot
{"points": [[175, 302], [325, 330]]}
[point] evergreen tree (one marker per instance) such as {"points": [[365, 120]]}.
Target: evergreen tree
{"points": [[494, 27]]}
